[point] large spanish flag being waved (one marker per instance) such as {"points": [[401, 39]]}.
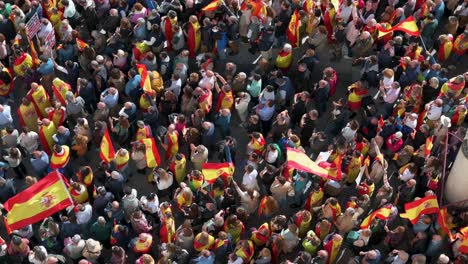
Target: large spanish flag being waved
{"points": [[426, 205], [292, 32], [212, 171], [382, 213], [408, 26], [300, 161], [44, 198], [152, 154], [107, 151]]}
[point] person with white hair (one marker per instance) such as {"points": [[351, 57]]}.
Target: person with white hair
{"points": [[363, 45], [74, 247], [284, 58]]}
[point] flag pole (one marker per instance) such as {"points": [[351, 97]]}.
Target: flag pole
{"points": [[424, 44]]}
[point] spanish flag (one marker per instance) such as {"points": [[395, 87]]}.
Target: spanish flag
{"points": [[292, 32], [211, 6], [139, 50], [429, 146], [380, 124], [60, 89], [262, 205], [308, 5], [334, 168], [426, 205], [81, 45], [145, 82], [408, 26], [382, 213], [212, 171], [107, 152], [22, 63], [37, 202], [445, 49], [442, 220], [34, 56], [464, 237], [300, 161], [152, 154]]}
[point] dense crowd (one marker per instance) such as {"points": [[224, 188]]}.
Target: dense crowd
{"points": [[179, 72]]}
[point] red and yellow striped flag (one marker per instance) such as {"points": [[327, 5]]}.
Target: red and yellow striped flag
{"points": [[44, 198], [308, 5], [152, 154], [34, 56], [145, 82], [429, 146], [107, 152], [211, 6], [81, 45], [408, 26], [426, 205], [60, 89], [464, 238], [292, 32], [333, 168], [382, 213], [300, 161], [261, 205], [212, 171], [442, 220]]}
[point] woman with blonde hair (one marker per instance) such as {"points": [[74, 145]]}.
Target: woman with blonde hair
{"points": [[30, 180], [388, 78]]}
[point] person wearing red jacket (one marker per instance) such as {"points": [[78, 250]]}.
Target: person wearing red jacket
{"points": [[394, 143]]}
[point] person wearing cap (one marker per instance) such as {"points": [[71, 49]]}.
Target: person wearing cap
{"points": [[74, 247]]}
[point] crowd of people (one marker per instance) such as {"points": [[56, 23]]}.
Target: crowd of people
{"points": [[178, 72]]}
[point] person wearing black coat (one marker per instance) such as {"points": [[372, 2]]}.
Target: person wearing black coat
{"points": [[7, 189]]}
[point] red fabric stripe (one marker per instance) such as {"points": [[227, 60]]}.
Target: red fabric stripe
{"points": [[38, 217], [111, 154], [304, 168], [27, 194], [215, 166]]}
